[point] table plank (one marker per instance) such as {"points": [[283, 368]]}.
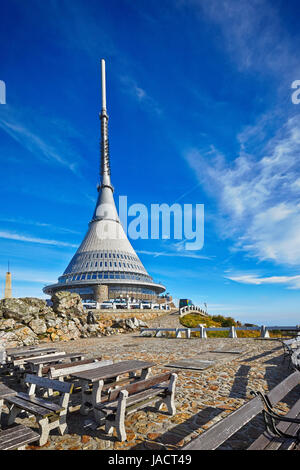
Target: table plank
{"points": [[113, 370], [47, 358], [30, 352], [6, 391]]}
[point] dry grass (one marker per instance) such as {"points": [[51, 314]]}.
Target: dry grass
{"points": [[192, 320]]}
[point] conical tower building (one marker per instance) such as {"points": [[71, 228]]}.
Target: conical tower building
{"points": [[106, 266]]}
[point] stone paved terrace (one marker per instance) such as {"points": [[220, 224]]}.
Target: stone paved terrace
{"points": [[202, 397]]}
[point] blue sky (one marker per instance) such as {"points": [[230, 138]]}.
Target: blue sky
{"points": [[199, 99]]}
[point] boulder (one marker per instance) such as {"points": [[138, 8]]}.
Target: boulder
{"points": [[38, 326], [129, 323], [23, 309], [7, 324], [26, 336], [67, 304], [134, 323], [9, 339]]}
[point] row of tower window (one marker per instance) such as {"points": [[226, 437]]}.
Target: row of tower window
{"points": [[105, 264], [119, 289], [82, 256], [103, 275]]}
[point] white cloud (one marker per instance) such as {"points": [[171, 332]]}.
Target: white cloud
{"points": [[140, 94], [21, 220], [26, 127], [29, 239], [173, 254], [293, 282], [253, 34], [258, 196]]}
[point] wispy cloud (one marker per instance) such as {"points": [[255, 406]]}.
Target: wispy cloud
{"points": [[34, 223], [258, 195], [180, 254], [29, 129], [140, 94], [35, 276], [292, 282], [253, 34], [29, 239]]}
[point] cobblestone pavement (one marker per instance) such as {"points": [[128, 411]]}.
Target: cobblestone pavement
{"points": [[202, 396]]}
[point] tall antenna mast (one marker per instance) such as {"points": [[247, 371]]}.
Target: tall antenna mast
{"points": [[105, 164]]}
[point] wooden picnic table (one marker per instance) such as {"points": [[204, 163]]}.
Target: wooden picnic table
{"points": [[96, 378], [37, 364], [16, 354], [4, 393]]}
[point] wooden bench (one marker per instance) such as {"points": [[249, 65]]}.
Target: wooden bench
{"points": [[295, 359], [289, 346], [282, 436], [127, 399], [49, 414], [17, 437]]}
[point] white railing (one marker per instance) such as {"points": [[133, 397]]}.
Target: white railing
{"points": [[133, 305], [190, 309], [264, 330]]}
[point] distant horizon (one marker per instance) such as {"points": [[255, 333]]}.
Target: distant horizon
{"points": [[203, 108]]}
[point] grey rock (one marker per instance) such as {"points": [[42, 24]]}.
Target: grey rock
{"points": [[38, 326], [7, 324]]}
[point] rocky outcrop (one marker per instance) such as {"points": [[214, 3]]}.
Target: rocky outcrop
{"points": [[67, 303], [28, 321], [128, 323], [23, 310]]}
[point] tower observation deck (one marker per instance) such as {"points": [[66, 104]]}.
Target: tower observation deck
{"points": [[106, 266]]}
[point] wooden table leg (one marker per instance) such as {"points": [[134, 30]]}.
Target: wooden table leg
{"points": [[96, 398], [85, 398], [1, 405], [145, 373]]}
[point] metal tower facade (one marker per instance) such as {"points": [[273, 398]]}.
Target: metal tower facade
{"points": [[105, 264]]}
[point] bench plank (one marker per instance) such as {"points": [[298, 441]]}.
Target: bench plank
{"points": [[140, 385], [17, 436], [51, 406], [268, 442], [28, 406], [44, 382], [283, 388], [132, 400], [224, 429]]}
